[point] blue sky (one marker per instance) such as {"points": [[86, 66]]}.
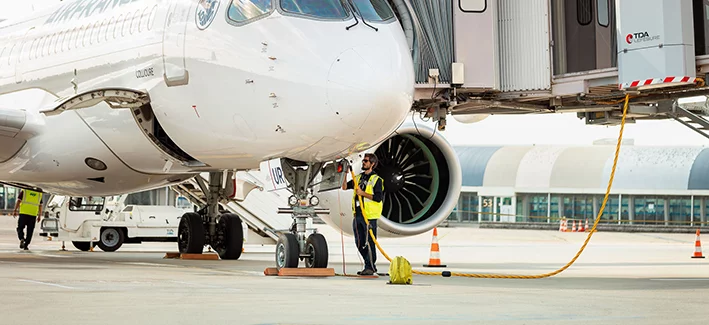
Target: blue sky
{"points": [[559, 129]]}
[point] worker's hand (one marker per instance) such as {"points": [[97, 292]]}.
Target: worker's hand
{"points": [[360, 192], [14, 213], [38, 219]]}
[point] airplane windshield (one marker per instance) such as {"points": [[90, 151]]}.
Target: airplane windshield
{"points": [[374, 10], [243, 10], [328, 9]]}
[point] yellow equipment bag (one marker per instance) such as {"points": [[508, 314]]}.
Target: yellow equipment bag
{"points": [[400, 271]]}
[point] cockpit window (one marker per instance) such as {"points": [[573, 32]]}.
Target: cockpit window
{"points": [[374, 10], [243, 10], [327, 9]]}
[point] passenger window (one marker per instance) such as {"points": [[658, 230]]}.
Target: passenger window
{"points": [[58, 45], [107, 31], [117, 26], [327, 9], [90, 204], [143, 23], [126, 25], [135, 22], [243, 10], [50, 44], [374, 10], [153, 13], [32, 47]]}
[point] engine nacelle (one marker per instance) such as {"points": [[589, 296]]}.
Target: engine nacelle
{"points": [[422, 183]]}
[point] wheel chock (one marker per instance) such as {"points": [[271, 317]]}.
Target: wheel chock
{"points": [[308, 272], [206, 256]]}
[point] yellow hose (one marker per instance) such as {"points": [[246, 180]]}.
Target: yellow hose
{"points": [[539, 276]]}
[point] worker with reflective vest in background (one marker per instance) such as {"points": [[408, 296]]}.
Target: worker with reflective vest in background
{"points": [[30, 206], [371, 188]]}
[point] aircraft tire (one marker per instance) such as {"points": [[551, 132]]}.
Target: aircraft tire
{"points": [[317, 246], [287, 251], [231, 246], [190, 234]]}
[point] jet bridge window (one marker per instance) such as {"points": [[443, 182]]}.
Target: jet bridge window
{"points": [[244, 10], [324, 9], [374, 10]]}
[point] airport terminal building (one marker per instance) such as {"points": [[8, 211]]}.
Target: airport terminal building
{"points": [[653, 185]]}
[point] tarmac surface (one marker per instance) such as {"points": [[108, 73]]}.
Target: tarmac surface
{"points": [[619, 279]]}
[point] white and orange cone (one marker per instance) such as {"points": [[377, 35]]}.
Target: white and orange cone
{"points": [[581, 228], [435, 259], [587, 229], [697, 247], [573, 227]]}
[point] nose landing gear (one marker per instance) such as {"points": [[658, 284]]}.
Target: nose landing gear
{"points": [[293, 246]]}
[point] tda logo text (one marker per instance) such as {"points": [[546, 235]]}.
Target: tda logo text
{"points": [[640, 37]]}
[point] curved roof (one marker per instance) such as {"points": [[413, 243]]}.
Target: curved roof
{"points": [[543, 167]]}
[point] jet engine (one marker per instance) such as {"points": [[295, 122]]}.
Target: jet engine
{"points": [[422, 182]]}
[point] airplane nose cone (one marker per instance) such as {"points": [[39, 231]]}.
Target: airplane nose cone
{"points": [[370, 86]]}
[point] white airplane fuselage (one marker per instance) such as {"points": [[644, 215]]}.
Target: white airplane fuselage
{"points": [[229, 96]]}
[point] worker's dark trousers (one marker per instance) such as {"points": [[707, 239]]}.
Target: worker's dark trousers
{"points": [[364, 241], [29, 222]]}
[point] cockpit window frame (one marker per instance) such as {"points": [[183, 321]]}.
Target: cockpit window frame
{"points": [[391, 19], [347, 7], [274, 6]]}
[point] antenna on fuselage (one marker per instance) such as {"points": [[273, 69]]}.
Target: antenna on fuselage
{"points": [[74, 83]]}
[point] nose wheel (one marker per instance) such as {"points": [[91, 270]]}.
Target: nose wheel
{"points": [[316, 249]]}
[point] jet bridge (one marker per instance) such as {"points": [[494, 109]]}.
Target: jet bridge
{"points": [[475, 58]]}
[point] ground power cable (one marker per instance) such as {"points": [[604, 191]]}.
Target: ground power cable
{"points": [[539, 276]]}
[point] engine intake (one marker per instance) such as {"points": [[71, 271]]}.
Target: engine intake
{"points": [[422, 181]]}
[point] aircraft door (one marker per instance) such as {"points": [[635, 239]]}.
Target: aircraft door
{"points": [[178, 16]]}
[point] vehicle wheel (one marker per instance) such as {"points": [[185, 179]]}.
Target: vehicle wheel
{"points": [[83, 246], [190, 234], [287, 251], [230, 238], [110, 239], [316, 246]]}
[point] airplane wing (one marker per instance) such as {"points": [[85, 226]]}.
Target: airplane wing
{"points": [[14, 131], [17, 125]]}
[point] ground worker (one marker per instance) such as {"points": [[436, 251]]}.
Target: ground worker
{"points": [[30, 209], [371, 188]]}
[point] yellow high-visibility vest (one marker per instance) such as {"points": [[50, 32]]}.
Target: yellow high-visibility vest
{"points": [[30, 203], [371, 209]]}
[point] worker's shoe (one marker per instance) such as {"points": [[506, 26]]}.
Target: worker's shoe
{"points": [[366, 272], [22, 243], [27, 248]]}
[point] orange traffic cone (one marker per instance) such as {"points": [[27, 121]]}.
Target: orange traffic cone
{"points": [[573, 228], [697, 247], [435, 259], [581, 228], [587, 229], [561, 225]]}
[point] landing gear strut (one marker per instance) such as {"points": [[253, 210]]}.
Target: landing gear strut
{"points": [[293, 246], [208, 226]]}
